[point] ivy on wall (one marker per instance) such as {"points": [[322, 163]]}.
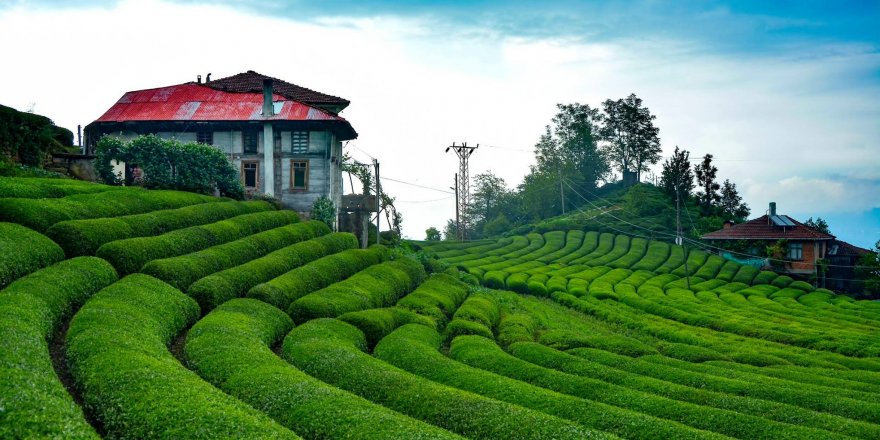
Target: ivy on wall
{"points": [[168, 164]]}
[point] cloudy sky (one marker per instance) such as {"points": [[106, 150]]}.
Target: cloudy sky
{"points": [[786, 96]]}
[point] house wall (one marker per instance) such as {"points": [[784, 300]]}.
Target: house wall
{"points": [[323, 155]]}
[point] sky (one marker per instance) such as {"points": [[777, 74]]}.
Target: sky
{"points": [[785, 94]]}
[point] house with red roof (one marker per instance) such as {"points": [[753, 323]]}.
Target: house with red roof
{"points": [[285, 139], [804, 246]]}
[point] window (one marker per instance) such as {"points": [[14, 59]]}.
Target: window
{"points": [[299, 142], [205, 137], [299, 174], [250, 174], [249, 140], [276, 141], [796, 251]]}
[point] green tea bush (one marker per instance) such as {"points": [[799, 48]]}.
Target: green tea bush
{"points": [[230, 347], [674, 261], [573, 241], [416, 349], [746, 274], [765, 277], [603, 246], [484, 354], [802, 285], [376, 286], [494, 279], [695, 260], [728, 271], [40, 214], [438, 297], [578, 287], [35, 403], [566, 340], [378, 323], [234, 282], [23, 251], [638, 248], [655, 255], [537, 285], [517, 327], [122, 333], [84, 237], [518, 282], [557, 284], [47, 188], [690, 353], [590, 241], [184, 270], [782, 281], [332, 351], [711, 267], [621, 247], [129, 255], [282, 290]]}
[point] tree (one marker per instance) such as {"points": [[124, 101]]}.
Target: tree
{"points": [[633, 140], [489, 192], [708, 194], [732, 205], [432, 234], [819, 224], [868, 272], [677, 173], [450, 231], [497, 226]]}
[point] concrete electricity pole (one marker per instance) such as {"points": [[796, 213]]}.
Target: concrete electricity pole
{"points": [[464, 153]]}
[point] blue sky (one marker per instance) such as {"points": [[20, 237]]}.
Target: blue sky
{"points": [[786, 95]]}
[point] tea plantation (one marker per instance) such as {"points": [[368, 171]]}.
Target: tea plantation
{"points": [[135, 314]]}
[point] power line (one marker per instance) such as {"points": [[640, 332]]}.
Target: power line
{"points": [[417, 185], [425, 201]]}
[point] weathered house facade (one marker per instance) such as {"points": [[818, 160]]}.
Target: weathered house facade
{"points": [[286, 140]]}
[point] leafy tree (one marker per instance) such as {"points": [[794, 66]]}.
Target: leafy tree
{"points": [[497, 226], [634, 141], [450, 231], [432, 234], [489, 193], [677, 172], [732, 205], [819, 224], [706, 173], [324, 211], [868, 272]]}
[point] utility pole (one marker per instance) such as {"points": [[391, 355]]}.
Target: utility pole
{"points": [[457, 219], [463, 182], [679, 240], [378, 198]]}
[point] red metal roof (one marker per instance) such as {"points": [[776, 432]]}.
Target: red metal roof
{"points": [[762, 229], [252, 82], [197, 102]]}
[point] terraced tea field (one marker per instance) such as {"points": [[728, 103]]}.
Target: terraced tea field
{"points": [[127, 313]]}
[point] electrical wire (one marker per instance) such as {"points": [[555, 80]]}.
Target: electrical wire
{"points": [[419, 186]]}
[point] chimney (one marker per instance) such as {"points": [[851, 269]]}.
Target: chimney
{"points": [[268, 110], [199, 79], [208, 78], [728, 224], [772, 208]]}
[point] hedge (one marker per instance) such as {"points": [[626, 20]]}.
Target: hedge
{"points": [[332, 351], [131, 383], [573, 241], [637, 250], [34, 402], [654, 257], [234, 282], [566, 340], [130, 255], [603, 247], [184, 270], [486, 355], [378, 323], [84, 237], [230, 347], [590, 241], [621, 247], [438, 297], [494, 279], [40, 214], [23, 251], [46, 188], [765, 277], [746, 274], [376, 286], [780, 412], [281, 291], [416, 349], [675, 259]]}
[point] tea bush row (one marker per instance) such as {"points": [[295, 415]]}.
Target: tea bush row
{"points": [[23, 251]]}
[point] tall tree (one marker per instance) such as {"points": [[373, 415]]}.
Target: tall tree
{"points": [[677, 173], [819, 224], [489, 193], [706, 174], [731, 203], [633, 140]]}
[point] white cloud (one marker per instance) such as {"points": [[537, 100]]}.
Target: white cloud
{"points": [[415, 89]]}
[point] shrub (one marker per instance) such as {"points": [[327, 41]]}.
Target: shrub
{"points": [[802, 285], [518, 282], [224, 285], [84, 237], [621, 247], [47, 187], [655, 256], [690, 353], [129, 255], [23, 251], [517, 327], [746, 274], [281, 291], [494, 279], [416, 349], [40, 214], [184, 270], [378, 323], [376, 286], [331, 350], [438, 297], [765, 277], [121, 333], [230, 347], [782, 281], [35, 403], [566, 340]]}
